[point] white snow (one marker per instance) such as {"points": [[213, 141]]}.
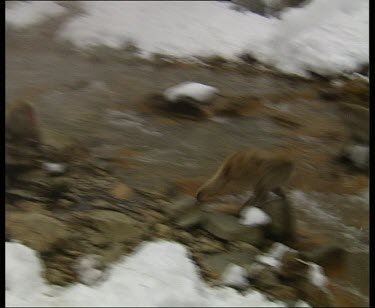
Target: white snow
{"points": [[358, 154], [316, 276], [325, 37], [157, 274], [274, 255], [254, 216], [234, 276], [197, 91], [54, 168], [23, 14], [88, 270]]}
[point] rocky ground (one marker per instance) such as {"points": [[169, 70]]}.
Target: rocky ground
{"points": [[132, 164]]}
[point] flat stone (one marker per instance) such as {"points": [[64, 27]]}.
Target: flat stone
{"points": [[217, 263], [227, 227]]}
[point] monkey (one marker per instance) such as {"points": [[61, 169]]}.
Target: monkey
{"points": [[21, 124], [264, 171]]}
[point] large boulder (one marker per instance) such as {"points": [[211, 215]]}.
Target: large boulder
{"points": [[228, 228]]}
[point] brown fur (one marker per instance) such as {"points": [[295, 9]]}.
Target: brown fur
{"points": [[21, 123], [262, 170]]}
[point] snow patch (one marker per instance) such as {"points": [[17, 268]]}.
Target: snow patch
{"points": [[26, 13], [157, 274], [316, 276], [253, 216], [197, 91], [54, 168], [234, 276]]}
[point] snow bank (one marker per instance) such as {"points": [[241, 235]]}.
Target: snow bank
{"points": [[199, 92], [325, 37], [254, 216], [27, 13], [157, 274]]}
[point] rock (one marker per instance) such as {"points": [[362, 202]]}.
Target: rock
{"points": [[58, 277], [162, 230], [197, 92], [38, 231], [25, 195], [357, 121], [227, 227], [122, 191], [293, 268], [313, 295], [206, 245], [246, 247], [217, 263], [180, 206], [265, 280], [234, 276], [64, 203], [110, 227], [327, 255], [191, 219], [282, 226], [358, 155]]}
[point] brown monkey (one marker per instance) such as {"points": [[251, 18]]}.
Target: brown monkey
{"points": [[262, 170], [21, 123]]}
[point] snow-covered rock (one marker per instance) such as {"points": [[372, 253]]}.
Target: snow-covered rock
{"points": [[197, 91], [254, 216], [234, 276]]}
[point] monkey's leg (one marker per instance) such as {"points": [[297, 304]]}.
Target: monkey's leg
{"points": [[280, 192]]}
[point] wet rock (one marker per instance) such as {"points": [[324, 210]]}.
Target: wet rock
{"points": [[357, 121], [327, 255], [227, 227], [108, 227], [122, 191], [38, 231], [282, 226], [216, 264], [191, 219]]}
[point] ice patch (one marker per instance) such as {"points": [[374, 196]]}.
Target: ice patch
{"points": [[253, 216], [26, 13]]}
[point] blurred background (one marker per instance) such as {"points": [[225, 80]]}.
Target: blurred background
{"points": [[118, 111]]}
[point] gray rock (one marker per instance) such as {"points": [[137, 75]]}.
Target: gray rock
{"points": [[192, 218], [282, 226], [180, 206], [357, 121], [217, 263], [38, 231], [227, 227]]}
